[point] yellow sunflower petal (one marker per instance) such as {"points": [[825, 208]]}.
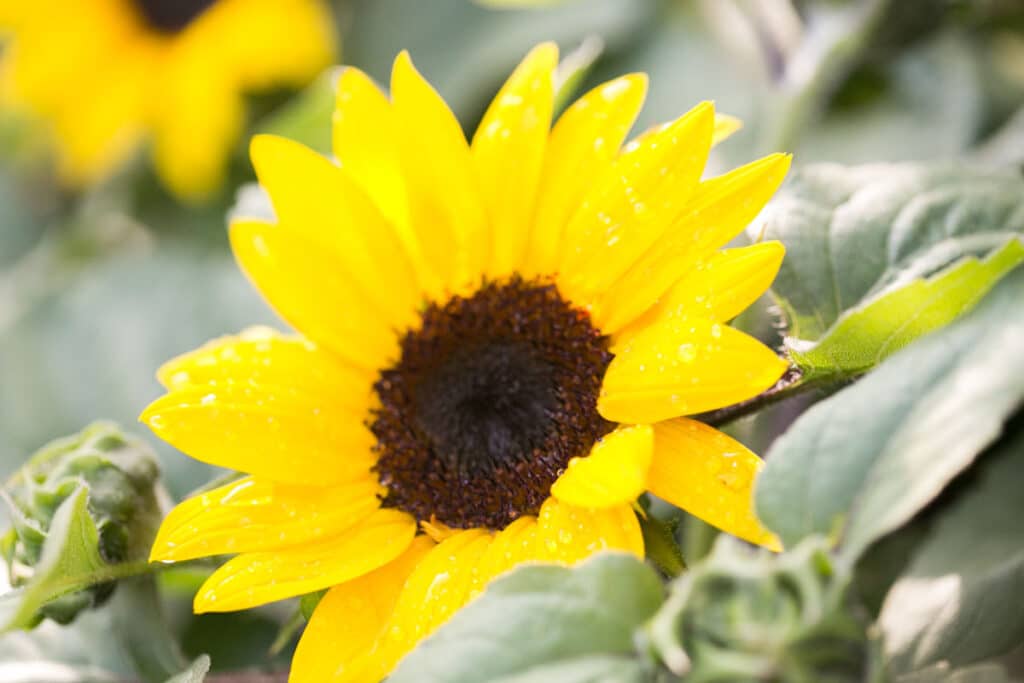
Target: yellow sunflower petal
{"points": [[284, 42], [510, 547], [567, 533], [196, 128], [254, 579], [309, 288], [445, 579], [508, 153], [633, 204], [719, 289], [364, 143], [447, 216], [710, 475], [316, 199], [341, 643], [276, 437], [725, 126], [261, 357], [719, 210], [255, 515], [615, 471], [685, 366], [581, 147]]}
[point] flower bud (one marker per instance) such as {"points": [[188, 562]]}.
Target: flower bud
{"points": [[744, 615], [120, 475]]}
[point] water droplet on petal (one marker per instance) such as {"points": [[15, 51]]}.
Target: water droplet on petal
{"points": [[687, 353]]}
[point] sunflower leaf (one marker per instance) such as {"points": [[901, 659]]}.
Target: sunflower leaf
{"points": [[942, 673], [196, 673], [864, 461], [959, 601], [544, 623], [880, 255]]}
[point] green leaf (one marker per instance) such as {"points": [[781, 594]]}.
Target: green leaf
{"points": [[865, 335], [879, 255], [70, 562], [942, 673], [590, 669], [864, 461], [961, 600], [544, 623], [140, 625], [195, 673], [82, 652], [306, 118]]}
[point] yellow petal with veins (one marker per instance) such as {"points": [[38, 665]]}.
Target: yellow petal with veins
{"points": [[342, 643], [508, 153], [717, 211], [568, 533], [682, 367], [310, 289], [319, 202], [581, 148], [710, 475], [273, 436], [445, 579], [255, 579], [614, 473], [445, 210], [286, 364], [364, 142], [255, 515], [630, 207], [719, 289]]}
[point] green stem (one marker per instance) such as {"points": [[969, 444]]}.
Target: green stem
{"points": [[791, 384], [143, 631]]}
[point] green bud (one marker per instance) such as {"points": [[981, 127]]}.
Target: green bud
{"points": [[120, 474], [748, 615]]}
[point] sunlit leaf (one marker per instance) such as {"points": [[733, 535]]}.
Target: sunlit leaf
{"points": [[880, 255], [864, 461]]}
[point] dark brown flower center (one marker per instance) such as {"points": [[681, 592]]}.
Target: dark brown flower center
{"points": [[171, 16], [492, 396]]}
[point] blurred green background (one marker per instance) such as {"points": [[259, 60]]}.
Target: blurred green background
{"points": [[98, 289]]}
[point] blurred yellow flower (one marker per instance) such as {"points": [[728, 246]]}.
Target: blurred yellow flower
{"points": [[109, 74], [499, 341]]}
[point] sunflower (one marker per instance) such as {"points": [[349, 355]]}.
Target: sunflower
{"points": [[499, 341], [107, 74]]}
